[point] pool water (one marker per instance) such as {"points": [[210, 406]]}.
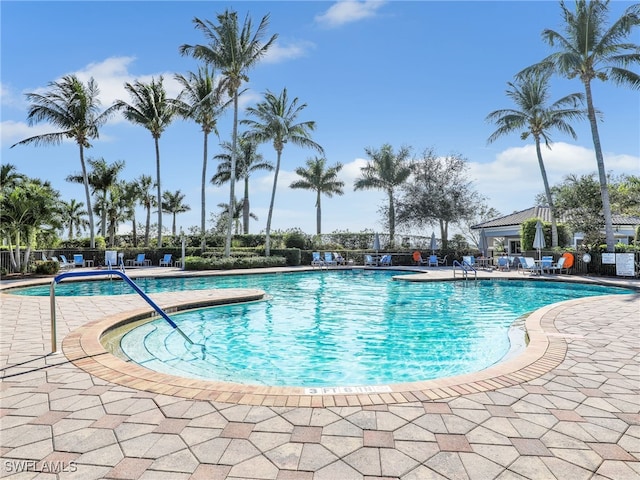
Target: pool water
{"points": [[339, 328]]}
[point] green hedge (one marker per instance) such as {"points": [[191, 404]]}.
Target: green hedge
{"points": [[229, 263]]}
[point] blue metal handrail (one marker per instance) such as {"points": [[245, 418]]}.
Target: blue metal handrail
{"points": [[466, 268], [62, 276]]}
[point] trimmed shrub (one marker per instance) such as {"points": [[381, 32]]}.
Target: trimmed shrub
{"points": [[48, 267]]}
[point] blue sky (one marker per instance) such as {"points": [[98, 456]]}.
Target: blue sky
{"points": [[418, 74]]}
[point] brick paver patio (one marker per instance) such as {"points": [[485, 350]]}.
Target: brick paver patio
{"points": [[572, 411]]}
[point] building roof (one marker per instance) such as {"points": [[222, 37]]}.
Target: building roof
{"points": [[544, 214]]}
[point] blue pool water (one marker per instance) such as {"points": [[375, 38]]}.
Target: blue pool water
{"points": [[336, 328]]}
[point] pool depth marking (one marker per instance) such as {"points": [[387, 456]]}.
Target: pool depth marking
{"points": [[347, 390]]}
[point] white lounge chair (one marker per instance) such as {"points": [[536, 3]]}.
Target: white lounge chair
{"points": [[328, 259], [166, 260], [316, 260], [369, 261]]}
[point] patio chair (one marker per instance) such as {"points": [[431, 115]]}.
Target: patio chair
{"points": [[78, 260], [528, 264], [385, 261], [417, 258], [503, 264], [546, 263], [140, 260], [559, 265], [339, 259], [166, 260], [470, 260], [433, 261], [62, 262], [328, 259], [316, 260], [369, 261]]}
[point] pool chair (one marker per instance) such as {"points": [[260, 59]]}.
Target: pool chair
{"points": [[78, 260], [558, 266], [339, 259], [328, 259], [528, 264], [417, 258], [166, 260], [503, 264], [470, 260], [62, 262], [385, 261], [369, 261], [433, 261], [546, 263], [316, 260], [140, 260]]}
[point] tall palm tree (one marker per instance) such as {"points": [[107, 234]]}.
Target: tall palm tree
{"points": [[234, 50], [73, 107], [237, 213], [533, 117], [74, 217], [201, 101], [590, 49], [275, 119], [172, 203], [131, 195], [248, 161], [320, 179], [147, 200], [151, 109], [102, 178], [386, 171]]}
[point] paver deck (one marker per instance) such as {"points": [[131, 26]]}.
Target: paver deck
{"points": [[573, 410]]}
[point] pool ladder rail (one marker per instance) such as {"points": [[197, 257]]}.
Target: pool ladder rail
{"points": [[465, 268], [109, 272]]}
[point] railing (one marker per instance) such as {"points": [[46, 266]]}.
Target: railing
{"points": [[466, 268], [124, 277]]}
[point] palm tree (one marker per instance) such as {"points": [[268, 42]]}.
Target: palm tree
{"points": [[201, 101], [131, 195], [102, 178], [534, 118], [386, 171], [238, 209], [151, 109], [73, 107], [321, 179], [147, 200], [172, 203], [73, 217], [10, 177], [248, 161], [275, 121], [234, 51], [590, 50]]}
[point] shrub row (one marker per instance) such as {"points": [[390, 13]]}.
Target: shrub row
{"points": [[228, 263]]}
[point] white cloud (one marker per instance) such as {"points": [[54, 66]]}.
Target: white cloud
{"points": [[279, 53], [348, 11], [352, 170]]}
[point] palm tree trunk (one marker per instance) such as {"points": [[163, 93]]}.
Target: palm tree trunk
{"points": [[318, 215], [103, 213], [85, 180], [135, 231], [159, 193], [392, 219], [203, 242], [444, 233], [245, 206], [147, 227], [267, 246], [604, 189], [547, 191], [232, 175]]}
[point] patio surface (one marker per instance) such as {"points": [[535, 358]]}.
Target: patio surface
{"points": [[569, 407]]}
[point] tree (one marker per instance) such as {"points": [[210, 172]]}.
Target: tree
{"points": [[320, 179], [147, 200], [534, 118], [172, 203], [438, 192], [151, 109], [589, 50], [234, 50], [201, 101], [102, 178], [131, 195], [274, 121], [385, 171], [10, 177], [74, 217], [237, 213], [248, 161], [74, 108]]}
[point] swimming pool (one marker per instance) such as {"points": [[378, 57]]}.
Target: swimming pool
{"points": [[337, 328]]}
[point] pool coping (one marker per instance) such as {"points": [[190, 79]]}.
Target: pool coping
{"points": [[545, 351]]}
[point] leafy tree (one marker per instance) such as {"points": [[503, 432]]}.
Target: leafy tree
{"points": [[234, 50], [10, 177], [438, 192], [588, 50], [274, 119], [533, 117], [386, 171], [321, 179], [201, 100], [482, 213], [172, 202], [74, 217], [625, 195], [73, 107], [248, 161], [151, 109]]}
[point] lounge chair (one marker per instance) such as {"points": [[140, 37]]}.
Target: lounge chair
{"points": [[78, 260], [328, 259], [503, 264], [316, 260], [140, 260], [369, 261], [385, 261], [417, 258], [339, 259], [62, 262], [546, 263], [433, 261], [528, 264], [443, 261], [558, 266], [470, 260], [166, 260]]}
